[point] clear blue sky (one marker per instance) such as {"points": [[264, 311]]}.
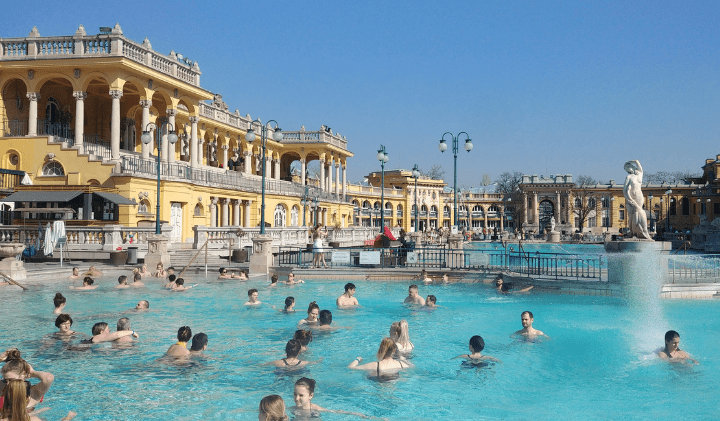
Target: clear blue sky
{"points": [[574, 87]]}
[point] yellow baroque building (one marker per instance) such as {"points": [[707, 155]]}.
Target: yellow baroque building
{"points": [[72, 113]]}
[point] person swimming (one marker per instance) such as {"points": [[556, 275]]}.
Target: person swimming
{"points": [[475, 357], [312, 315], [672, 351]]}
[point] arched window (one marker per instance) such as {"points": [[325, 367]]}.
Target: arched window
{"points": [[493, 208], [399, 208], [198, 210], [53, 169], [279, 215], [685, 206], [294, 216], [433, 208], [578, 202], [423, 208], [366, 204], [477, 208], [52, 111]]}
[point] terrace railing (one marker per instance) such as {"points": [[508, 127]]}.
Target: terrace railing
{"points": [[694, 269], [10, 178]]}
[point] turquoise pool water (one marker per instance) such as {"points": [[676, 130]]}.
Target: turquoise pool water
{"points": [[597, 364]]}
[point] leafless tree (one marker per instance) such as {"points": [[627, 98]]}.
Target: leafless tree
{"points": [[508, 184], [585, 199]]}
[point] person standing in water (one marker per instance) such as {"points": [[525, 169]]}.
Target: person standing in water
{"points": [[526, 318], [672, 351]]}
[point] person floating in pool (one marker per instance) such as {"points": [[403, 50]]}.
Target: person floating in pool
{"points": [[291, 360], [75, 274], [302, 395], [506, 288], [87, 285], [348, 298], [272, 408], [528, 331], [386, 363], [180, 285], [122, 282], [291, 279], [199, 343], [253, 298], [137, 281], [312, 315], [672, 351], [413, 297], [179, 349], [142, 305], [59, 301], [475, 357]]}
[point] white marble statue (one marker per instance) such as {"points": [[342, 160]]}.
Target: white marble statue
{"points": [[552, 224], [637, 219]]}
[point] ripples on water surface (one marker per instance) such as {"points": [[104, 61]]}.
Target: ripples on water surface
{"points": [[590, 368]]}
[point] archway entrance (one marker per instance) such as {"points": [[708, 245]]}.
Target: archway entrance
{"points": [[546, 209]]}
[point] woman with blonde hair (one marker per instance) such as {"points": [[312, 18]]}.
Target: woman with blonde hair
{"points": [[317, 236], [400, 333], [18, 396], [272, 408], [385, 361]]}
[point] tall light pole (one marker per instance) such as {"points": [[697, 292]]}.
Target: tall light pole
{"points": [[146, 138], [304, 201], [315, 206], [383, 157], [443, 148], [650, 209], [250, 137], [416, 175], [668, 192]]}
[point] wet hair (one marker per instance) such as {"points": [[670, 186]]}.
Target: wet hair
{"points": [[477, 343], [62, 319], [252, 291], [312, 307], [529, 313], [415, 287], [289, 301], [670, 335], [14, 363], [273, 278], [76, 269], [349, 285], [387, 349], [199, 341], [171, 268], [59, 300], [184, 334], [147, 303], [122, 279], [221, 270], [325, 317], [303, 336], [137, 277], [123, 324], [179, 282], [432, 299], [98, 328], [308, 383], [399, 332], [136, 271], [172, 278], [292, 348], [273, 407], [88, 280]]}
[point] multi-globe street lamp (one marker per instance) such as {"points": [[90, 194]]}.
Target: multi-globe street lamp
{"points": [[383, 157], [443, 147], [416, 175], [668, 192], [146, 138], [250, 137]]}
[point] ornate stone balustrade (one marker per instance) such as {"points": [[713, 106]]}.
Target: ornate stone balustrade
{"points": [[113, 44], [287, 236], [324, 135]]}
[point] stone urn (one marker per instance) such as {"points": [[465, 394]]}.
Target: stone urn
{"points": [[10, 265], [185, 158]]}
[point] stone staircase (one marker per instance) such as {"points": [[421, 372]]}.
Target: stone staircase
{"points": [[179, 258]]}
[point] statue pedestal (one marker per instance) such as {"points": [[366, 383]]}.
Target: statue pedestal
{"points": [[13, 268], [455, 243], [414, 237], [157, 252], [630, 261], [553, 237], [261, 259]]}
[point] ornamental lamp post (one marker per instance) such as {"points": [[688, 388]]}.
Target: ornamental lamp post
{"points": [[668, 192], [250, 137], [304, 201], [146, 138], [650, 209], [383, 157], [416, 175], [443, 147]]}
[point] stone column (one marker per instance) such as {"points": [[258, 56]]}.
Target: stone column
{"points": [[225, 155], [268, 167], [248, 163], [246, 213], [525, 206], [213, 211], [322, 174], [344, 182], [79, 119], [34, 97], [193, 141], [558, 205], [115, 124], [330, 175], [225, 212], [201, 151], [536, 217], [324, 216], [146, 149], [337, 179], [502, 218], [277, 169], [236, 213], [303, 169], [171, 113]]}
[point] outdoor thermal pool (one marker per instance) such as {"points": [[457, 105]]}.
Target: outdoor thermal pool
{"points": [[598, 363]]}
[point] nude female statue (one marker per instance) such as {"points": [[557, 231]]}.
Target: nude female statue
{"points": [[637, 219]]}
